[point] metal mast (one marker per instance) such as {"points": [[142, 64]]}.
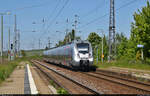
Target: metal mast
{"points": [[112, 46], [1, 35], [15, 38], [67, 32], [75, 26], [18, 43], [9, 49]]}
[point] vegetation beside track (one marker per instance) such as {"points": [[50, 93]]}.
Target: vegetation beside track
{"points": [[125, 63], [32, 53], [59, 89], [7, 67], [128, 54]]}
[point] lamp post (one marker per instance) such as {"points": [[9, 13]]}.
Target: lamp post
{"points": [[8, 13], [9, 58], [1, 35]]}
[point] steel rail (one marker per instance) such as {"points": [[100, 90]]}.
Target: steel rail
{"points": [[129, 80], [74, 81], [114, 81], [52, 78]]}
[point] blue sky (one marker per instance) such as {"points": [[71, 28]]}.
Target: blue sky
{"points": [[29, 11]]}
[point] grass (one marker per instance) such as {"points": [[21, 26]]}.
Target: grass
{"points": [[34, 52], [59, 89], [125, 63], [52, 83], [7, 67]]}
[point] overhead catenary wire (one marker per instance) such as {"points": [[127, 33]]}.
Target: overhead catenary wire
{"points": [[34, 6], [52, 13], [96, 19], [52, 21], [93, 10], [55, 18], [29, 7]]}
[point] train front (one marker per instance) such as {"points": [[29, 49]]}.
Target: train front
{"points": [[83, 56]]}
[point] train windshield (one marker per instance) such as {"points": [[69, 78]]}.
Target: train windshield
{"points": [[83, 47]]}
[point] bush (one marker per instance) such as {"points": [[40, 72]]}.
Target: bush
{"points": [[8, 66], [6, 70], [62, 91]]}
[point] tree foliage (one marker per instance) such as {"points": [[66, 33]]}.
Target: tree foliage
{"points": [[126, 47], [105, 47], [140, 32], [96, 42], [94, 39], [121, 44], [68, 38]]}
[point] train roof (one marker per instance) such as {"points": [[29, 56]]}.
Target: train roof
{"points": [[75, 41], [81, 41]]}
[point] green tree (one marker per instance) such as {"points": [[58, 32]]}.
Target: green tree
{"points": [[122, 48], [121, 44], [94, 39], [72, 35], [140, 32], [68, 38], [105, 47], [131, 49], [120, 37]]}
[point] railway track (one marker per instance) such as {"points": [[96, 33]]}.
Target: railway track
{"points": [[79, 85], [101, 82], [140, 86]]}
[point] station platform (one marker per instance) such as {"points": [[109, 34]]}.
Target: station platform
{"points": [[19, 83]]}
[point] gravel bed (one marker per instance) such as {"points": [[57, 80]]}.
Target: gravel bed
{"points": [[69, 85], [131, 73], [99, 85]]}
